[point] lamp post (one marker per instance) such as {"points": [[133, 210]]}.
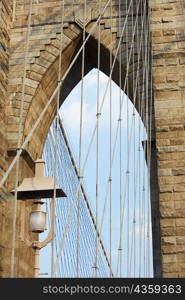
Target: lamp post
{"points": [[39, 187]]}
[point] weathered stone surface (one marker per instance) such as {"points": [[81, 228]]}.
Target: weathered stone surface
{"points": [[173, 231], [168, 73], [168, 240], [167, 26]]}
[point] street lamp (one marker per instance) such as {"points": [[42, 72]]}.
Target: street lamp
{"points": [[38, 221], [36, 188]]}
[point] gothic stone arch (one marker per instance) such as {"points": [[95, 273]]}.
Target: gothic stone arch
{"points": [[40, 83], [41, 80]]}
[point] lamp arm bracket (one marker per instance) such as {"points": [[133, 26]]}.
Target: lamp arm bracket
{"points": [[50, 236], [48, 239]]}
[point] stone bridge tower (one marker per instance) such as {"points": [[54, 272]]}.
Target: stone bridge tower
{"points": [[167, 21]]}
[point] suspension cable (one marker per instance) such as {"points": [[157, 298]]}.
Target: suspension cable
{"points": [[126, 178], [114, 148], [71, 211], [90, 144], [137, 76], [51, 99], [62, 9], [150, 63], [97, 142], [120, 148], [116, 133], [72, 207], [80, 142], [19, 140], [110, 145]]}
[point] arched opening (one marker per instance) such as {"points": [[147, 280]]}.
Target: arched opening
{"points": [[49, 83], [130, 192]]}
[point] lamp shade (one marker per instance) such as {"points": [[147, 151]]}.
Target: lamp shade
{"points": [[39, 186], [38, 221]]}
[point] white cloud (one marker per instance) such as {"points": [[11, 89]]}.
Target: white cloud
{"points": [[71, 108], [71, 117], [91, 78], [70, 111]]}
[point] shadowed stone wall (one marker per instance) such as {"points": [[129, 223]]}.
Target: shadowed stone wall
{"points": [[168, 27]]}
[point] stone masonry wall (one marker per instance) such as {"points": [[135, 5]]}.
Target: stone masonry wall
{"points": [[5, 26], [167, 27], [168, 31]]}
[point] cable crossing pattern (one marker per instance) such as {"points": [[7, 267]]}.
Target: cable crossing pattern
{"points": [[103, 227]]}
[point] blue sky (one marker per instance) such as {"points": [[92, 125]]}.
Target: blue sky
{"points": [[70, 114]]}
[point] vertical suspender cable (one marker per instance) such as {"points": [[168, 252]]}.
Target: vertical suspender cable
{"points": [[71, 210], [82, 188], [120, 146], [141, 166], [80, 142], [147, 145], [110, 146], [128, 146], [101, 106], [145, 37], [122, 101], [28, 137], [141, 46], [143, 229], [134, 154], [141, 135], [148, 124], [132, 233], [136, 168], [56, 136], [148, 177], [150, 137], [97, 143], [128, 155], [138, 175], [19, 143]]}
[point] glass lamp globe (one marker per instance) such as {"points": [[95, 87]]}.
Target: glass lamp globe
{"points": [[38, 221]]}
